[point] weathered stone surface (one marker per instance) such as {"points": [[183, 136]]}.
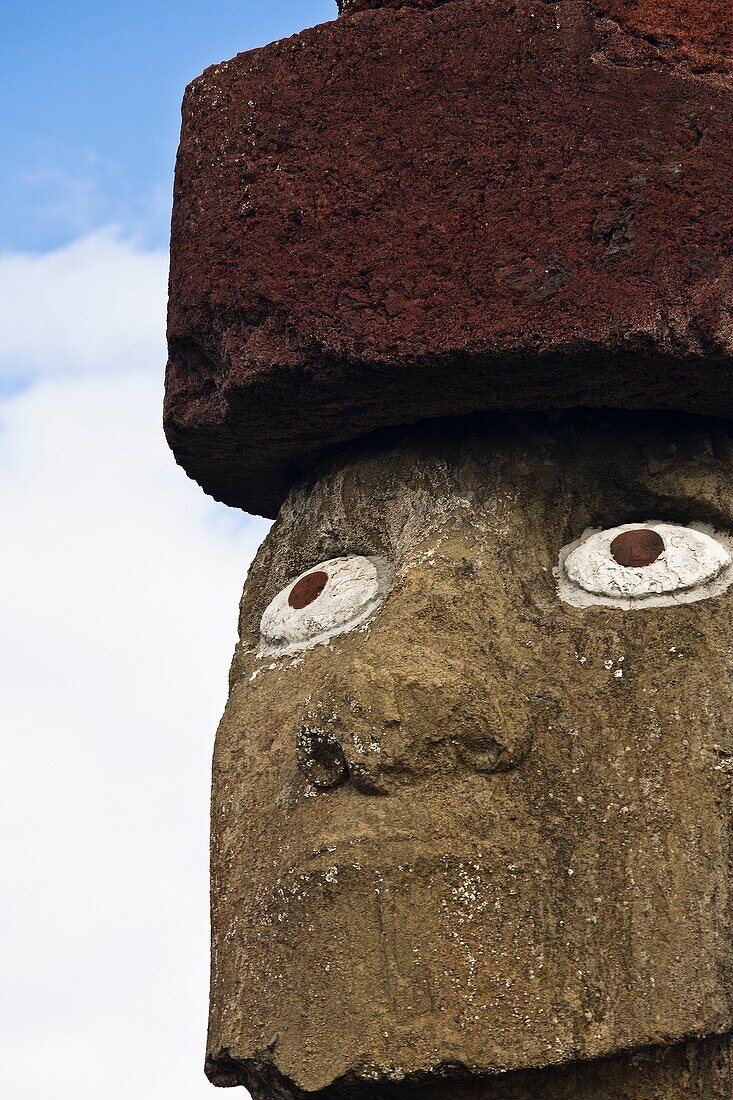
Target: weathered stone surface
{"points": [[350, 7], [412, 213], [525, 859], [690, 1071], [699, 31]]}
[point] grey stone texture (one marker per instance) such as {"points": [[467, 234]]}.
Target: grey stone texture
{"points": [[522, 873]]}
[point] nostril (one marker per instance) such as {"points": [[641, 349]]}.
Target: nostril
{"points": [[320, 757]]}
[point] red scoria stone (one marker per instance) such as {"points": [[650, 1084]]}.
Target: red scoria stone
{"points": [[415, 213], [307, 589], [348, 7], [700, 30], [637, 548]]}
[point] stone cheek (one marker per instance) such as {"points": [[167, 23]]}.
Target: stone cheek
{"points": [[409, 213], [489, 831]]}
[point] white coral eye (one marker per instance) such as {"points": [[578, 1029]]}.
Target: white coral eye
{"points": [[329, 599], [645, 564]]}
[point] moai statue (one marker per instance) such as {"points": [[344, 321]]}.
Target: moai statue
{"points": [[451, 298]]}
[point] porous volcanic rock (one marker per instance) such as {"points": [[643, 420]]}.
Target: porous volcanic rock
{"points": [[699, 30], [350, 7], [523, 859], [419, 212]]}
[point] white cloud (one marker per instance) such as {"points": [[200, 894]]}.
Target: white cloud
{"points": [[95, 304], [119, 583]]}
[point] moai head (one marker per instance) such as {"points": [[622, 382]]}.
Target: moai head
{"points": [[471, 805], [472, 788]]}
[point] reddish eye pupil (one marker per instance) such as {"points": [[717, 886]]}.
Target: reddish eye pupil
{"points": [[637, 548], [307, 589]]}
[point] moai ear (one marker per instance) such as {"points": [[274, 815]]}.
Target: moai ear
{"points": [[442, 208]]}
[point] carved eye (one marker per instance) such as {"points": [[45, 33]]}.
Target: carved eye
{"points": [[641, 564], [329, 599]]}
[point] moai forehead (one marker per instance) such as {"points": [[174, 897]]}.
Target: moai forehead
{"points": [[482, 828]]}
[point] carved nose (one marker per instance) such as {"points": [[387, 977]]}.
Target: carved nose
{"points": [[320, 755], [410, 729]]}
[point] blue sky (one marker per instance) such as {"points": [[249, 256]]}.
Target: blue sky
{"points": [[119, 579], [91, 95]]}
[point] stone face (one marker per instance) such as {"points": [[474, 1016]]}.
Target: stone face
{"points": [[411, 213], [484, 831]]}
